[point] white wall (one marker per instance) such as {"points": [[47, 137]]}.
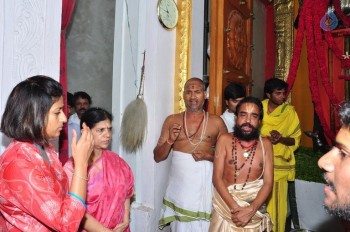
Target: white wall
{"points": [[29, 44], [311, 211], [136, 29], [147, 34], [90, 39]]}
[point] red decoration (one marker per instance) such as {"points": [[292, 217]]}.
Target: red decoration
{"points": [[340, 14], [67, 11], [309, 25], [344, 58], [267, 2], [344, 77]]}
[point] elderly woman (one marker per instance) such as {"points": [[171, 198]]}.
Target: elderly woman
{"points": [[34, 190], [110, 179]]}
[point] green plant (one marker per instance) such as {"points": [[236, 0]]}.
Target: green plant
{"points": [[306, 165]]}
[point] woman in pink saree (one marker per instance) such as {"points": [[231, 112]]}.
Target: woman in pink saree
{"points": [[110, 179]]}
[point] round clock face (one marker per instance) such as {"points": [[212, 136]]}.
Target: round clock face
{"points": [[167, 13]]}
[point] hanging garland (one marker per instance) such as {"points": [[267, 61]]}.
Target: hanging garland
{"points": [[312, 48], [339, 12], [309, 24], [345, 59], [322, 60]]}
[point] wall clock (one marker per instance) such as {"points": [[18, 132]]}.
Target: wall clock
{"points": [[167, 13]]}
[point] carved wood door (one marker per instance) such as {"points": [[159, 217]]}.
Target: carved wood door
{"points": [[230, 48]]}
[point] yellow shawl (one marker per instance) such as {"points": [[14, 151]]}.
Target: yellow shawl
{"points": [[285, 120]]}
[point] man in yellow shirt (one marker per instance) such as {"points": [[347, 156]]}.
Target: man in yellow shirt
{"points": [[281, 125]]}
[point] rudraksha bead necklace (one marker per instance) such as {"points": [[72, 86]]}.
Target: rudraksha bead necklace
{"points": [[250, 156]]}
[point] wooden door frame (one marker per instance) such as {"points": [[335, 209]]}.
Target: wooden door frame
{"points": [[216, 54], [216, 74]]}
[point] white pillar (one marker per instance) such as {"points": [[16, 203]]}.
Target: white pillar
{"points": [[29, 44]]}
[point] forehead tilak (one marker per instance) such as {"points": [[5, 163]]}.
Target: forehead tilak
{"points": [[249, 108], [191, 84]]}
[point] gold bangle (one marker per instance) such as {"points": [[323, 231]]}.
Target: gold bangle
{"points": [[167, 141], [81, 177]]}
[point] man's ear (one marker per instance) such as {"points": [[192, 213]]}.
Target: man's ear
{"points": [[268, 95], [226, 101]]}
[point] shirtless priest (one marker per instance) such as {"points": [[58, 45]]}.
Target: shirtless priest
{"points": [[192, 136], [243, 174]]}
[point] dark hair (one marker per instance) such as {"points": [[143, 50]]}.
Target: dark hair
{"points": [[25, 115], [344, 114], [70, 99], [274, 84], [234, 91], [81, 94], [94, 115], [254, 100], [195, 79]]}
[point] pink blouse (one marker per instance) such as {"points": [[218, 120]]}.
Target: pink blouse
{"points": [[110, 184], [33, 193]]}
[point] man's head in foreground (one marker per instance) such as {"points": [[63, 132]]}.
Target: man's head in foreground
{"points": [[336, 163]]}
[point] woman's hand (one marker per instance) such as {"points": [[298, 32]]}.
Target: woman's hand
{"points": [[82, 149], [126, 219], [121, 227]]}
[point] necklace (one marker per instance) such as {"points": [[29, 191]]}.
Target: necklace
{"points": [[250, 156], [199, 126], [204, 128], [246, 149]]}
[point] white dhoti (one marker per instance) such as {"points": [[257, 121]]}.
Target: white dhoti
{"points": [[221, 216], [188, 199]]}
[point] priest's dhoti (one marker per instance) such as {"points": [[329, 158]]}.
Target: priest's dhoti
{"points": [[188, 198], [221, 216]]}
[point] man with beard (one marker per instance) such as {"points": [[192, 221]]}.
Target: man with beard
{"points": [[243, 174], [336, 163], [192, 136], [82, 102], [281, 125]]}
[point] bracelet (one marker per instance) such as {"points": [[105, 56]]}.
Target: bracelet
{"points": [[78, 198], [167, 141], [81, 177]]}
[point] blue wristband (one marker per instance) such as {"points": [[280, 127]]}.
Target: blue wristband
{"points": [[77, 197]]}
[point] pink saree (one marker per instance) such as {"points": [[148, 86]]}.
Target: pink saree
{"points": [[110, 183]]}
